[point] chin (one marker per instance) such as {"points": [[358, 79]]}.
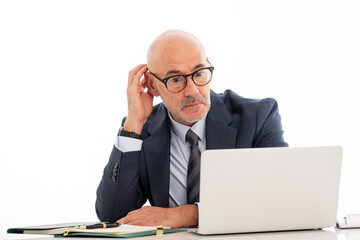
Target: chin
{"points": [[193, 118]]}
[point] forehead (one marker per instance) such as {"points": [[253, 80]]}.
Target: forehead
{"points": [[169, 68], [180, 61]]}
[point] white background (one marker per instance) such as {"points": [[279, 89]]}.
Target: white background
{"points": [[64, 67]]}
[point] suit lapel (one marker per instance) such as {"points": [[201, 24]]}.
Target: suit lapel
{"points": [[219, 133], [158, 162]]}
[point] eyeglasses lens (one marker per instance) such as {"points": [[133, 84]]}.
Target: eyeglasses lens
{"points": [[201, 78]]}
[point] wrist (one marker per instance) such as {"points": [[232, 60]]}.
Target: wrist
{"points": [[187, 214], [133, 126], [125, 133]]}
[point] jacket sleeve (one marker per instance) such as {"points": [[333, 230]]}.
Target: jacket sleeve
{"points": [[119, 191], [269, 132]]}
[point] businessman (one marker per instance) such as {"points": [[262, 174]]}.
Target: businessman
{"points": [[156, 156]]}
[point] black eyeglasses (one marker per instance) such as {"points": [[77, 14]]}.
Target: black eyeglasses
{"points": [[176, 83]]}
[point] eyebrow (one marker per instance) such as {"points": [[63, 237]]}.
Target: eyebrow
{"points": [[171, 72]]}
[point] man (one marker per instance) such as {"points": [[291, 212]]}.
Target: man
{"points": [[156, 157]]}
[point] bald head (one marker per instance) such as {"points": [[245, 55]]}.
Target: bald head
{"points": [[176, 53], [173, 47]]}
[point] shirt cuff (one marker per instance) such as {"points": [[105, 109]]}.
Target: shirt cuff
{"points": [[128, 144]]}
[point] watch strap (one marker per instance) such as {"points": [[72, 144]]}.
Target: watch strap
{"points": [[124, 133]]}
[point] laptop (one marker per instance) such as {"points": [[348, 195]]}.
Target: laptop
{"points": [[268, 189]]}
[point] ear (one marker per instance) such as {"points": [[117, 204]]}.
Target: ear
{"points": [[150, 84]]}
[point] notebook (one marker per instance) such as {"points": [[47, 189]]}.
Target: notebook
{"points": [[268, 189], [76, 229]]}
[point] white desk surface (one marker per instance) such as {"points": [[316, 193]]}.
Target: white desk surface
{"points": [[325, 234]]}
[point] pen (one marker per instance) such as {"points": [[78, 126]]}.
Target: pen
{"points": [[100, 225]]}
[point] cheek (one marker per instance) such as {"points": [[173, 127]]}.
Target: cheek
{"points": [[171, 101], [205, 92], [175, 102]]}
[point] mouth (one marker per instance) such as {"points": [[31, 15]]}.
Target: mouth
{"points": [[191, 105]]}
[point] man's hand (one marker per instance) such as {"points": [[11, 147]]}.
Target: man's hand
{"points": [[185, 215], [140, 103]]}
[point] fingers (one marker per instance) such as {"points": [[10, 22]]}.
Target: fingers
{"points": [[143, 84], [121, 221], [141, 216], [135, 85], [136, 73], [129, 220], [136, 222], [125, 220], [141, 72], [130, 217]]}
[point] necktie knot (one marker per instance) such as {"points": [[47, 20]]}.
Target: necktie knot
{"points": [[192, 138]]}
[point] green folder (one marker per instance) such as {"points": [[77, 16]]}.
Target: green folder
{"points": [[48, 227], [70, 230]]}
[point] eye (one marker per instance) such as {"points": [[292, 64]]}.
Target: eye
{"points": [[176, 79], [199, 73]]}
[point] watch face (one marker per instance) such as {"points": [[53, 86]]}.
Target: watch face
{"points": [[119, 132]]}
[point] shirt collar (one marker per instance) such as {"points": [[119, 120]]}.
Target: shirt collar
{"points": [[180, 129]]}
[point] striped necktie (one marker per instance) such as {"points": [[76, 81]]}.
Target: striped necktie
{"points": [[193, 172]]}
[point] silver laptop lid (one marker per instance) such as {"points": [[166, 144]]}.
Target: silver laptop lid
{"points": [[268, 189]]}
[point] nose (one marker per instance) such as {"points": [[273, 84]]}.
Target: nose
{"points": [[191, 88]]}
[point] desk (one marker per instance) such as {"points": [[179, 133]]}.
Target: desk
{"points": [[326, 234]]}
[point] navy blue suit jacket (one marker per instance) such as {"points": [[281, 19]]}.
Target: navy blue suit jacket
{"points": [[131, 178]]}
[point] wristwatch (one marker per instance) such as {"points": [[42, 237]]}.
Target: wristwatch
{"points": [[124, 133]]}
